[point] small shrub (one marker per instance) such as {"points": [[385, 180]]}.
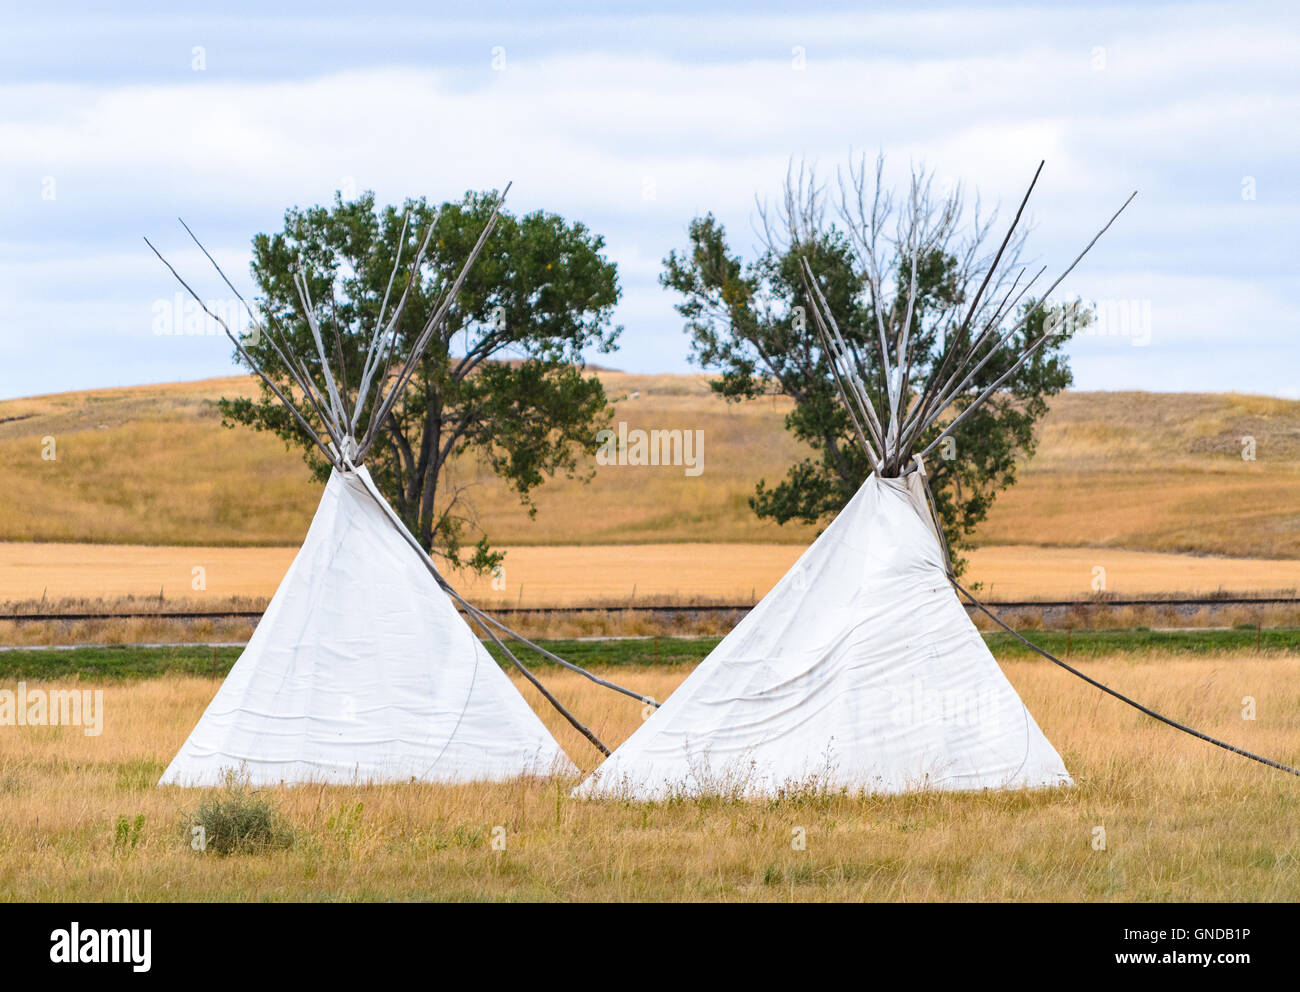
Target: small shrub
{"points": [[235, 820]]}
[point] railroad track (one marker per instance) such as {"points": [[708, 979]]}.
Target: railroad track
{"points": [[1028, 604]]}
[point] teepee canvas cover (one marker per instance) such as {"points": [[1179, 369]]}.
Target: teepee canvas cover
{"points": [[362, 670], [860, 669]]}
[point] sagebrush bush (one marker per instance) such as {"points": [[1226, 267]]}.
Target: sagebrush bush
{"points": [[236, 820]]}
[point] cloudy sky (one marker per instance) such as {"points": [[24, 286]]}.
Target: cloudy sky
{"points": [[634, 122]]}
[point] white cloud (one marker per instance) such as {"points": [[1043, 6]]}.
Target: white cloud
{"points": [[707, 107]]}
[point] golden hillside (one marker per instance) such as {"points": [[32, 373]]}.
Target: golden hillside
{"points": [[1160, 472]]}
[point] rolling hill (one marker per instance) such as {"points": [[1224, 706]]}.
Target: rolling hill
{"points": [[1138, 471]]}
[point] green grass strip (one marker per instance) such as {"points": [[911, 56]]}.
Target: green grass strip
{"points": [[124, 663]]}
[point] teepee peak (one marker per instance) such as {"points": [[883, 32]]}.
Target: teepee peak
{"points": [[911, 392], [349, 420]]}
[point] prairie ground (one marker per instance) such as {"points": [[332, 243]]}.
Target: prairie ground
{"points": [[1152, 490], [1154, 814]]}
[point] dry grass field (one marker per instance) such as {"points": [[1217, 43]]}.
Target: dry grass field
{"points": [[1159, 472], [1182, 820], [1115, 474], [614, 574], [151, 465], [1137, 471], [147, 487]]}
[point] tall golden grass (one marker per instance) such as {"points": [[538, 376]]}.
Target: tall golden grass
{"points": [[1181, 820], [128, 630]]}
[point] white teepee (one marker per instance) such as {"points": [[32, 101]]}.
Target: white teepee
{"points": [[861, 669], [362, 669]]}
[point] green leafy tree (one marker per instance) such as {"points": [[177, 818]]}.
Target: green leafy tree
{"points": [[503, 378], [750, 322]]}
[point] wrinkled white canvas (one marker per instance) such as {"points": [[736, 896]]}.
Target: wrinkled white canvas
{"points": [[362, 671], [859, 670]]}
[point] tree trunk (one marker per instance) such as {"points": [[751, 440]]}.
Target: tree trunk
{"points": [[430, 467]]}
